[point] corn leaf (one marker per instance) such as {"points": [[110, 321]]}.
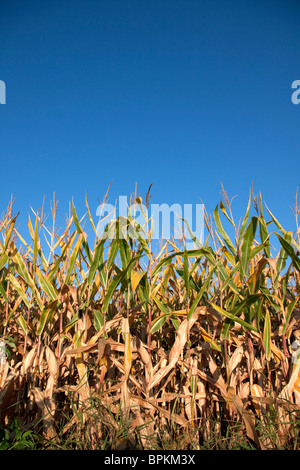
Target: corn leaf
{"points": [[267, 335]]}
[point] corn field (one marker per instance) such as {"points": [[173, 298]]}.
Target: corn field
{"points": [[125, 346]]}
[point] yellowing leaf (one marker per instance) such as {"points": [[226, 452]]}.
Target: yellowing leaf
{"points": [[136, 277]]}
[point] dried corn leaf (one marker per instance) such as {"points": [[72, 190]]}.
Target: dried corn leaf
{"points": [[177, 349], [237, 405]]}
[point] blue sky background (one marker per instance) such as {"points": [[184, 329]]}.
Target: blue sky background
{"points": [[179, 93]]}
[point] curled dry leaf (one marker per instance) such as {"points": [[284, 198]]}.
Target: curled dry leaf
{"points": [[52, 361], [177, 349], [237, 404], [151, 404], [235, 359], [293, 383], [28, 360], [257, 392], [47, 410]]}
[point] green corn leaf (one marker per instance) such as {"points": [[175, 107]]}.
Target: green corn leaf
{"points": [[35, 242], [229, 256], [258, 309], [9, 233], [46, 316], [158, 323], [160, 305], [200, 294], [96, 261], [285, 281], [102, 271], [114, 248], [90, 217], [168, 259], [22, 323], [246, 247], [12, 311], [278, 225], [245, 220], [76, 220], [71, 323], [175, 322], [289, 311], [221, 271], [3, 260], [46, 285], [23, 272], [115, 282], [19, 289], [186, 273], [192, 283], [233, 317], [222, 232], [192, 235], [223, 209], [194, 383], [124, 253], [257, 249], [263, 230], [3, 293], [111, 289], [80, 232], [286, 245], [283, 255], [59, 260], [267, 335], [227, 279], [226, 327], [21, 267], [98, 320], [144, 289], [73, 257], [246, 303], [281, 229]]}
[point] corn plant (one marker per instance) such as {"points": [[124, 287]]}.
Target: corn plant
{"points": [[174, 338]]}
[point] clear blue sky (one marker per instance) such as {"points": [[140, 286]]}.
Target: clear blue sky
{"points": [[179, 93]]}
